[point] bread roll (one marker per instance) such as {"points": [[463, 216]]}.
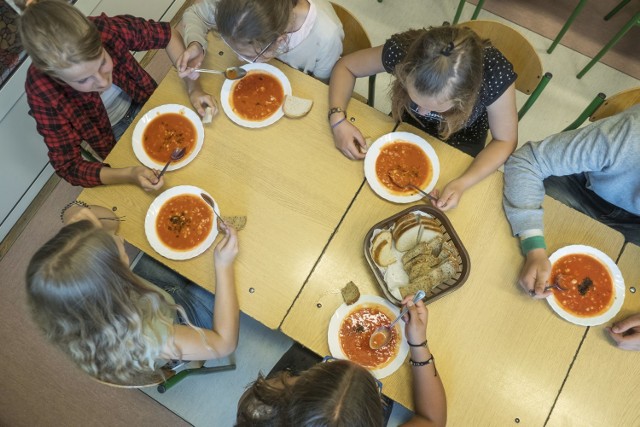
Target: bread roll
{"points": [[295, 107]]}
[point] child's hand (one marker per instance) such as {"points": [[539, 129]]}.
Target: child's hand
{"points": [[451, 195], [349, 141], [191, 58], [147, 178], [227, 249], [416, 320], [201, 100], [626, 333]]}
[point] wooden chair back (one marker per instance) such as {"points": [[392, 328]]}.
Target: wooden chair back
{"points": [[516, 48], [617, 103], [355, 37]]}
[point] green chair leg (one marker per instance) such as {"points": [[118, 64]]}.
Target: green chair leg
{"points": [[372, 90], [616, 9], [591, 108], [567, 24], [635, 20], [476, 11], [544, 81], [458, 12], [87, 155]]}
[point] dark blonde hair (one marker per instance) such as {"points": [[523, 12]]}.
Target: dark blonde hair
{"points": [[444, 63], [335, 394], [253, 22], [88, 302], [57, 35]]}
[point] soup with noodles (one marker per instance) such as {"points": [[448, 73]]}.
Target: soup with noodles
{"points": [[401, 163], [184, 222], [167, 132], [257, 96]]}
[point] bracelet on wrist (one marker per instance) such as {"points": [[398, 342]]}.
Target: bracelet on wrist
{"points": [[422, 344], [334, 110], [531, 243], [68, 205], [429, 361], [333, 126]]}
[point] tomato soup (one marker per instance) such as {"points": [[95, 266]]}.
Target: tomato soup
{"points": [[356, 330], [184, 222], [401, 163], [588, 284], [167, 132], [257, 96]]}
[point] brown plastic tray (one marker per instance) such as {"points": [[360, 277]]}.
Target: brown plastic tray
{"points": [[448, 232]]}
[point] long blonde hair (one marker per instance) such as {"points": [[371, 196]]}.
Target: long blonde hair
{"points": [[57, 35], [444, 63], [88, 302]]}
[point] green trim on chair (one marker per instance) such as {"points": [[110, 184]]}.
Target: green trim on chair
{"points": [[544, 81], [591, 108], [170, 382], [616, 9], [87, 155]]}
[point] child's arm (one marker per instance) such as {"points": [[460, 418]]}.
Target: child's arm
{"points": [[429, 399], [503, 122], [223, 339]]}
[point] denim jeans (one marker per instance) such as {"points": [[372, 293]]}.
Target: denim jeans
{"points": [[572, 191], [124, 123], [197, 302]]}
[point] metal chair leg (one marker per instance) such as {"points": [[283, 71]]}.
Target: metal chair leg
{"points": [[635, 20], [372, 90], [170, 382], [567, 24], [544, 81], [591, 108], [616, 9]]}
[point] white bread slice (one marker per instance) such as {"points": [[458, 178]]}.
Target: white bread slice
{"points": [[208, 115], [381, 249], [295, 107]]}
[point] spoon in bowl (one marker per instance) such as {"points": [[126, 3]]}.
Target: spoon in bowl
{"points": [[231, 73], [209, 201], [381, 336], [396, 180], [176, 154]]}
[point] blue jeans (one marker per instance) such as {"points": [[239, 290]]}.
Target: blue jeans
{"points": [[124, 123], [196, 301], [572, 191]]}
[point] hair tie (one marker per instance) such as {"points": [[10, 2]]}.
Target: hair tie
{"points": [[446, 51]]}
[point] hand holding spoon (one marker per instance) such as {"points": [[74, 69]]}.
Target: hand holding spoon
{"points": [[231, 73], [209, 201], [382, 334], [396, 180], [176, 155]]}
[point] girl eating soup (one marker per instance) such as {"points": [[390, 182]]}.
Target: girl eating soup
{"points": [[450, 84]]}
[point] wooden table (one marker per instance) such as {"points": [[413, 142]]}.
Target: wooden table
{"points": [[288, 179], [603, 385], [502, 355]]}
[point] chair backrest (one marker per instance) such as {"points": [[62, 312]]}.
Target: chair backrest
{"points": [[355, 37], [617, 103], [516, 48]]}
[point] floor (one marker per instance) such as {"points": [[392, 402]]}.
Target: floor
{"points": [[200, 400], [211, 400]]}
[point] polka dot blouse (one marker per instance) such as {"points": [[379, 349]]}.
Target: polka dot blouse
{"points": [[497, 76]]}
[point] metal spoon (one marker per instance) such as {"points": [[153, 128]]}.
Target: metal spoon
{"points": [[209, 201], [231, 73], [382, 334], [176, 155], [409, 185], [556, 285]]}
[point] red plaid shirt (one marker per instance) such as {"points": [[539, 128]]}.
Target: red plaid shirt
{"points": [[66, 117]]}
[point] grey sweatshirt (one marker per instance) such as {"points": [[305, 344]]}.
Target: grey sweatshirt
{"points": [[608, 151]]}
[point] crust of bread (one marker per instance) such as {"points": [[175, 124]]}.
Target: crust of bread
{"points": [[295, 107], [381, 249]]}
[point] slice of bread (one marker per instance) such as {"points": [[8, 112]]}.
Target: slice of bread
{"points": [[350, 293], [295, 107], [381, 249]]}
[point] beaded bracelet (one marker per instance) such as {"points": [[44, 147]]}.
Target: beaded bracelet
{"points": [[333, 126], [68, 205], [422, 344], [426, 362]]}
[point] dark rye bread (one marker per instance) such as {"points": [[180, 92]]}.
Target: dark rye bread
{"points": [[350, 293]]}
